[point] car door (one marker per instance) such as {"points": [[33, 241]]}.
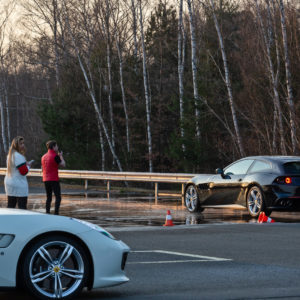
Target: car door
{"points": [[225, 189]]}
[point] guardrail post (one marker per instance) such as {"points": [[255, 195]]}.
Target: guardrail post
{"points": [[86, 184], [156, 192], [182, 194], [108, 188]]}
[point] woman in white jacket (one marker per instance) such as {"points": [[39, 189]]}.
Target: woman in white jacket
{"points": [[15, 181]]}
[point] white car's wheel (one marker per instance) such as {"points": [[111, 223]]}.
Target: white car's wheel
{"points": [[191, 199], [55, 267]]}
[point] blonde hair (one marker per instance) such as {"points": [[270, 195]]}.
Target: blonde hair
{"points": [[15, 146]]}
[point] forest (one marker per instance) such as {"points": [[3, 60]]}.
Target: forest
{"points": [[181, 86]]}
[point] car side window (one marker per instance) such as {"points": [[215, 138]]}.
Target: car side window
{"points": [[240, 167], [260, 166]]}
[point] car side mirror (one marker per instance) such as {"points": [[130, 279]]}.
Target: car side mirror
{"points": [[220, 171]]}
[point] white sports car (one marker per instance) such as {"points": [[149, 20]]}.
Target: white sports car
{"points": [[55, 256]]}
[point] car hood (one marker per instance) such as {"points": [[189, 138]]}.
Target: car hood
{"points": [[13, 211], [28, 223], [202, 178]]}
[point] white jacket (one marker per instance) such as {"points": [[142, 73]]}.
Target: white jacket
{"points": [[16, 184]]}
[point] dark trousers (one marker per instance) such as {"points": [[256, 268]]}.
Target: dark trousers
{"points": [[12, 202], [52, 186]]}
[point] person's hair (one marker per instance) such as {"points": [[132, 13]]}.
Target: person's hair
{"points": [[51, 144], [15, 146]]}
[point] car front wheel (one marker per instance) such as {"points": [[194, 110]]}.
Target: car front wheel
{"points": [[255, 202], [191, 199], [55, 267]]}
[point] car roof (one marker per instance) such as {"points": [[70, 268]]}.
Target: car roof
{"points": [[275, 158]]}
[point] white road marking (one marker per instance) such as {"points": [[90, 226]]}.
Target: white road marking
{"points": [[200, 258], [168, 261]]}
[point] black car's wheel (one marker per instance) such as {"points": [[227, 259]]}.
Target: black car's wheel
{"points": [[55, 267], [255, 201], [191, 199]]}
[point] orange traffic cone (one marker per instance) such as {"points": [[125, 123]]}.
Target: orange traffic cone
{"points": [[264, 219], [169, 221]]}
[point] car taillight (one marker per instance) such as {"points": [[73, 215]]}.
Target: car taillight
{"points": [[288, 180], [284, 180]]}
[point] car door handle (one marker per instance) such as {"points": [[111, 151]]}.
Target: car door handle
{"points": [[240, 179]]}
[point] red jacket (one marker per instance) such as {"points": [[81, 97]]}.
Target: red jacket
{"points": [[50, 166]]}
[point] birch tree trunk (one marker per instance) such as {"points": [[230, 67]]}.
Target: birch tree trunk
{"points": [[101, 145], [278, 59], [181, 46], [105, 15], [273, 77], [134, 29], [123, 94], [111, 114], [146, 87], [7, 114], [228, 82], [55, 12], [3, 131], [275, 119], [99, 124], [290, 99], [194, 66]]}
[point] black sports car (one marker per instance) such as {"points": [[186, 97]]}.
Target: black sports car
{"points": [[260, 183]]}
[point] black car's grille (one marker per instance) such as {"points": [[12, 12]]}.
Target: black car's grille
{"points": [[124, 258]]}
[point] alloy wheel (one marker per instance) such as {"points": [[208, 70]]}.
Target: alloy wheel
{"points": [[255, 201], [56, 269], [191, 198]]}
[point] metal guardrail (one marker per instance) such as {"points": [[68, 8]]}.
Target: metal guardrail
{"points": [[119, 176]]}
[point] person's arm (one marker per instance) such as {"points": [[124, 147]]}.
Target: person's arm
{"points": [[23, 168], [21, 164], [60, 160]]}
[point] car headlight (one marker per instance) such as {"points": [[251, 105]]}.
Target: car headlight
{"points": [[6, 240], [95, 227]]}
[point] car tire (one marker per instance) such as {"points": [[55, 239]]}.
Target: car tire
{"points": [[55, 267], [191, 199], [256, 202]]}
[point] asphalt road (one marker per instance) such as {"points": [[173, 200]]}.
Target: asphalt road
{"points": [[207, 261]]}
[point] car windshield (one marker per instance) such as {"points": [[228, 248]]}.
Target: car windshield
{"points": [[292, 167]]}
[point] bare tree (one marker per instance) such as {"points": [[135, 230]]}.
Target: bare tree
{"points": [[181, 60], [105, 10], [267, 40], [134, 28], [49, 12], [5, 13], [228, 81], [86, 71], [290, 99], [194, 65], [120, 19], [146, 87], [3, 127]]}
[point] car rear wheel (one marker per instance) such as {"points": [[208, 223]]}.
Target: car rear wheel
{"points": [[55, 267], [256, 202], [191, 199]]}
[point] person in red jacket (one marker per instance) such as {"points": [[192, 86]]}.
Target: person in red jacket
{"points": [[51, 161]]}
